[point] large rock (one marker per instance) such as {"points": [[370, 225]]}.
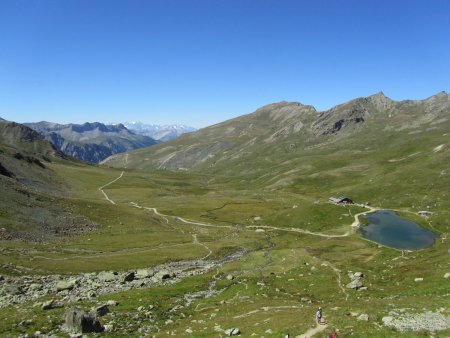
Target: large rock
{"points": [[364, 317], [77, 321], [355, 284], [144, 273], [106, 276], [62, 285], [447, 275], [128, 277]]}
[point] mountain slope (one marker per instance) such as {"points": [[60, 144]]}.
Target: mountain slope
{"points": [[32, 205], [91, 142], [286, 131]]}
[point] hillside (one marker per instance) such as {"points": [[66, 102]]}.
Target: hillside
{"points": [[91, 142], [291, 132], [32, 205]]}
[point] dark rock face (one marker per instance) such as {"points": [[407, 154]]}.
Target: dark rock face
{"points": [[5, 172], [78, 321]]}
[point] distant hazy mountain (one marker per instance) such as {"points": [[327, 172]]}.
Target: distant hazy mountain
{"points": [[159, 132], [91, 142]]}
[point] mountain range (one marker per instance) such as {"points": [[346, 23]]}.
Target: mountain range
{"points": [[91, 142], [159, 132], [287, 131]]}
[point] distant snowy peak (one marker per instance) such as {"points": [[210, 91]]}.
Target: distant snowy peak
{"points": [[159, 132]]}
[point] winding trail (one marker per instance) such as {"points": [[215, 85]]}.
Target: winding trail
{"points": [[107, 184]]}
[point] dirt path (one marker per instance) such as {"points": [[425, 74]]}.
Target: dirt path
{"points": [[313, 331], [196, 241], [307, 232], [356, 223], [339, 278], [104, 186]]}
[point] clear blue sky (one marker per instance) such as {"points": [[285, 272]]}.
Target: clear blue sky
{"points": [[201, 62]]}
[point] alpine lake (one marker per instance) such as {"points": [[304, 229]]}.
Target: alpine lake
{"points": [[387, 228]]}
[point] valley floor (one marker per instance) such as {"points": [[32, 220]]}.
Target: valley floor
{"points": [[178, 256]]}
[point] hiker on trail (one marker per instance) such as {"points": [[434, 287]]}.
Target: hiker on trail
{"points": [[319, 315]]}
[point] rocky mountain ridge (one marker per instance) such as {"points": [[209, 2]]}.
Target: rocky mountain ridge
{"points": [[91, 142], [286, 127]]}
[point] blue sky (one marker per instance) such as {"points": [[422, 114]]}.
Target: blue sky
{"points": [[202, 62]]}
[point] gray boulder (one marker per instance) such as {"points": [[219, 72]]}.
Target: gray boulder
{"points": [[144, 273], [77, 321], [106, 276], [364, 317], [355, 284], [62, 285]]}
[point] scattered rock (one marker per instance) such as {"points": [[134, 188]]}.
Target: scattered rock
{"points": [[387, 320], [447, 275], [364, 317], [232, 332], [13, 290], [269, 331], [358, 275], [189, 330], [230, 277], [78, 321], [428, 321], [418, 279]]}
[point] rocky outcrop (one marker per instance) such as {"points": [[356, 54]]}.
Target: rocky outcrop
{"points": [[356, 281], [78, 321]]}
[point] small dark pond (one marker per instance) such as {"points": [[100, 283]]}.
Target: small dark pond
{"points": [[387, 228]]}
